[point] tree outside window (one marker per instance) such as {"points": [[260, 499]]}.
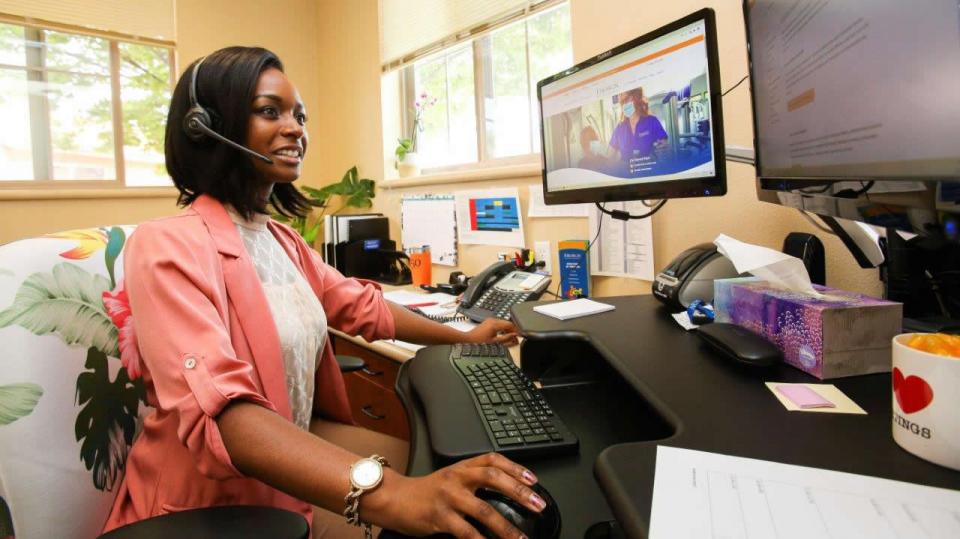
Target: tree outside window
{"points": [[82, 108]]}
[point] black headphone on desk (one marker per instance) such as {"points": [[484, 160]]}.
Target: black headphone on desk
{"points": [[200, 122]]}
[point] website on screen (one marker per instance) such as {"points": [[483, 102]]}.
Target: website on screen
{"points": [[640, 116]]}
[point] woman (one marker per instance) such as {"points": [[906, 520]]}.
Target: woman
{"points": [[231, 311], [638, 134]]}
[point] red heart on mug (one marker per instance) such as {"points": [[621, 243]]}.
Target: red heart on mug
{"points": [[913, 393]]}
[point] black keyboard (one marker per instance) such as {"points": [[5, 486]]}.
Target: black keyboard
{"points": [[476, 401]]}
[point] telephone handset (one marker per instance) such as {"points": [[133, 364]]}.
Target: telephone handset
{"points": [[494, 290]]}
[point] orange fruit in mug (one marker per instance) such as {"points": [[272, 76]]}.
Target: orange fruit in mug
{"points": [[940, 344]]}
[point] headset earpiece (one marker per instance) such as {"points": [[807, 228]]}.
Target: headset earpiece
{"points": [[196, 117]]}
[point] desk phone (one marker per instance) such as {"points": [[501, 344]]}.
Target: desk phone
{"points": [[501, 286]]}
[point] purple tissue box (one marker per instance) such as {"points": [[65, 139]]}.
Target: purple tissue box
{"points": [[843, 334]]}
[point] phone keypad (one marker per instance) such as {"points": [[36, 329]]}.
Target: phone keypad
{"points": [[499, 302]]}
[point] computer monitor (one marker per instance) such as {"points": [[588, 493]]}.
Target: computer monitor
{"points": [[855, 117], [854, 108], [862, 90], [640, 121]]}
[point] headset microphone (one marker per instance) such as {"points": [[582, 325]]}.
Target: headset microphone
{"points": [[198, 123]]}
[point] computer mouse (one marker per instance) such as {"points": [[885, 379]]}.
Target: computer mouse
{"points": [[542, 525], [740, 344]]}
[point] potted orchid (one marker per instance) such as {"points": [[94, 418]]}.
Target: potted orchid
{"points": [[408, 163]]}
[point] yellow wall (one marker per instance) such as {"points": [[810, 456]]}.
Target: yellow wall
{"points": [[287, 27], [597, 26]]}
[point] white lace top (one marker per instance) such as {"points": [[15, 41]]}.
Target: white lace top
{"points": [[298, 314]]}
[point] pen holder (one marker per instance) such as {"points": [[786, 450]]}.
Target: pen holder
{"points": [[926, 398], [420, 265]]}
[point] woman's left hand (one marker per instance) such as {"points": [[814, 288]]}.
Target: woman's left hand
{"points": [[494, 330]]}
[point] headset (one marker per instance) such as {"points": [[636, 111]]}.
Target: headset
{"points": [[198, 122]]}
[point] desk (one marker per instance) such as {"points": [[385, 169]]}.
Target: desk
{"points": [[677, 392]]}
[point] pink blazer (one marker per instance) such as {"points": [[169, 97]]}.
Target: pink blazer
{"points": [[204, 331]]}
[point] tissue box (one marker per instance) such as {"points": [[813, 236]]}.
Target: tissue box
{"points": [[841, 334]]}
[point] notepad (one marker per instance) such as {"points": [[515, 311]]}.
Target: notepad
{"points": [[565, 310]]}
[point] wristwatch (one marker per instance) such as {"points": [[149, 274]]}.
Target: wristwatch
{"points": [[365, 475]]}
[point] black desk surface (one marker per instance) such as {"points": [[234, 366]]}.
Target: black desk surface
{"points": [[234, 521], [715, 405]]}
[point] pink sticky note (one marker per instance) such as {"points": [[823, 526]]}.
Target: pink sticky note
{"points": [[804, 397]]}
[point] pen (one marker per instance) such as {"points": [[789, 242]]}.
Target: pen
{"points": [[418, 305]]}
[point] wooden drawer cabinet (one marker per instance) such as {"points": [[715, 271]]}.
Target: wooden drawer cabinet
{"points": [[373, 401], [375, 408]]}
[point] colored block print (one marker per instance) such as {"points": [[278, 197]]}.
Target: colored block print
{"points": [[494, 214]]}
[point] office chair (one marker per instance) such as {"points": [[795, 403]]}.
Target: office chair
{"points": [[68, 409]]}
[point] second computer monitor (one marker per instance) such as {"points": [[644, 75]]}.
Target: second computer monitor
{"points": [[640, 121]]}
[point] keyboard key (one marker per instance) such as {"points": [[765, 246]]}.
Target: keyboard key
{"points": [[536, 438], [510, 441]]}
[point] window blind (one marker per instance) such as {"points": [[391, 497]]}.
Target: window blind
{"points": [[410, 29], [153, 19]]}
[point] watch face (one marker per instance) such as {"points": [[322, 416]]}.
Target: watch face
{"points": [[366, 473]]}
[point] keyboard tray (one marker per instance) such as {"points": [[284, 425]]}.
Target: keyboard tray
{"points": [[455, 417]]}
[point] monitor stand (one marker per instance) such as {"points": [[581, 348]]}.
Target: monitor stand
{"points": [[923, 273]]}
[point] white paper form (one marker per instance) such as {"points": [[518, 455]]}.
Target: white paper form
{"points": [[538, 208], [624, 248], [699, 495], [430, 220], [490, 217]]}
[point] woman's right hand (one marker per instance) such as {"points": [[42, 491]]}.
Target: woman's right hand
{"points": [[441, 502]]}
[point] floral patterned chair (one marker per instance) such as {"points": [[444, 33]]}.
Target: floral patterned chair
{"points": [[69, 410]]}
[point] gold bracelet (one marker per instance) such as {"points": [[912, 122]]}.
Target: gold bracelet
{"points": [[365, 475]]}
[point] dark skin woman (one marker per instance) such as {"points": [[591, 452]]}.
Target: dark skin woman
{"points": [[255, 104]]}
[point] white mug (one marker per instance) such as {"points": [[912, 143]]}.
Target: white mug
{"points": [[926, 403]]}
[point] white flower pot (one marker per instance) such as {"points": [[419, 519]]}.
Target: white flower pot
{"points": [[409, 166]]}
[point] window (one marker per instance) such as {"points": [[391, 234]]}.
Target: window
{"points": [[494, 78], [79, 107]]}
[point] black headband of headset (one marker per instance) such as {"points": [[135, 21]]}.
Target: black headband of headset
{"points": [[193, 82]]}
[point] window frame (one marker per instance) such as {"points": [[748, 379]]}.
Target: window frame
{"points": [[407, 94], [114, 39]]}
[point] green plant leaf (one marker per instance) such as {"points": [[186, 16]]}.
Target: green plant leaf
{"points": [[310, 235], [404, 146], [315, 196], [367, 187], [351, 176], [115, 239], [18, 400], [359, 200], [69, 302], [107, 420]]}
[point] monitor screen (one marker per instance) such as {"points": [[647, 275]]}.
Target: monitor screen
{"points": [[641, 121], [858, 90]]}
